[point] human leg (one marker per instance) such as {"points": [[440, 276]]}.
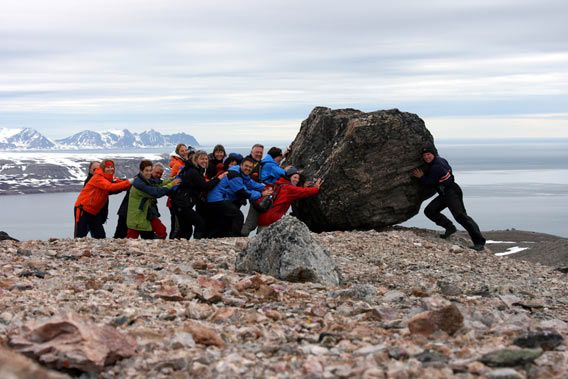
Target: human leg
{"points": [[121, 228], [454, 200], [183, 219], [132, 234], [159, 228], [251, 222], [81, 223], [434, 212]]}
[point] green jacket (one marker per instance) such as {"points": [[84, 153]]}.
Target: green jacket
{"points": [[143, 195]]}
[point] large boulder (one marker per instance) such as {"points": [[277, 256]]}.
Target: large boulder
{"points": [[365, 161], [286, 250]]}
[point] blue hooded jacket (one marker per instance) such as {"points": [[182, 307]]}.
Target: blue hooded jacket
{"points": [[270, 171], [235, 186]]}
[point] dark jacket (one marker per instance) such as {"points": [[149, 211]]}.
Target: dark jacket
{"points": [[215, 167], [438, 175], [255, 174], [193, 186]]}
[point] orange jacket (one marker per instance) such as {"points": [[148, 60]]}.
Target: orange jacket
{"points": [[95, 193], [176, 163]]}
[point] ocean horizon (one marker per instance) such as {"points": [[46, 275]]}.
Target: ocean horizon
{"points": [[512, 184]]}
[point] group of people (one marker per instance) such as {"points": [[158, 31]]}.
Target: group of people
{"points": [[205, 193]]}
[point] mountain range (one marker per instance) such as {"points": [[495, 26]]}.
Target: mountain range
{"points": [[30, 139]]}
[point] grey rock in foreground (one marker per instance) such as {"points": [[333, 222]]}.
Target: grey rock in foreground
{"points": [[287, 251], [365, 161]]}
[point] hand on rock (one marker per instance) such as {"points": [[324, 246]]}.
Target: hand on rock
{"points": [[417, 173]]}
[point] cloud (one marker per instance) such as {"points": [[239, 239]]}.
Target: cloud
{"points": [[135, 63]]}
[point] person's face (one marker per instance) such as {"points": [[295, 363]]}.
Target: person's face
{"points": [[183, 152], [246, 167], [295, 179], [256, 153], [94, 166], [202, 161], [233, 163], [428, 157], [147, 172], [278, 159], [219, 155], [109, 170], [157, 172]]}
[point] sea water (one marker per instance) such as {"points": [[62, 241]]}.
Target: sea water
{"points": [[521, 185]]}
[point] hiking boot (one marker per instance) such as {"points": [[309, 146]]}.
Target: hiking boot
{"points": [[449, 231], [478, 247]]}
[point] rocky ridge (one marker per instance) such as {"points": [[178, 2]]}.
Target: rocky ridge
{"points": [[410, 306]]}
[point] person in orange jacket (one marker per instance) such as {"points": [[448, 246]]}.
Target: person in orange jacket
{"points": [[93, 198]]}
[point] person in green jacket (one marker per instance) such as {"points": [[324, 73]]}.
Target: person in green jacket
{"points": [[142, 213]]}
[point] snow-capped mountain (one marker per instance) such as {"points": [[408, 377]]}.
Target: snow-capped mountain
{"points": [[124, 139], [24, 139], [30, 139]]}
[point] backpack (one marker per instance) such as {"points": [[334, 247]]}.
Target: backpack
{"points": [[265, 202]]}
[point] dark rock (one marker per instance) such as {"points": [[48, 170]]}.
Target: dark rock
{"points": [[5, 237], [24, 252], [397, 353], [428, 356], [33, 272], [546, 340], [287, 251], [510, 357], [449, 289], [365, 161]]}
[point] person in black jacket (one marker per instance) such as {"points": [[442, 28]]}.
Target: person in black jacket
{"points": [[216, 159], [439, 176], [192, 192]]}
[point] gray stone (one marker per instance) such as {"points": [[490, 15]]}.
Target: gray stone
{"points": [[365, 161], [504, 373], [545, 339], [287, 251], [510, 357], [393, 296]]}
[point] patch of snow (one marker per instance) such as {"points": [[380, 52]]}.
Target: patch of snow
{"points": [[512, 250], [497, 242], [6, 133]]}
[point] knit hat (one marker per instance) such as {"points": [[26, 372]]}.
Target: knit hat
{"points": [[429, 149], [291, 171]]}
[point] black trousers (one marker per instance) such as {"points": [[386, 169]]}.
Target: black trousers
{"points": [[227, 219], [85, 222], [121, 228], [452, 198], [190, 222]]}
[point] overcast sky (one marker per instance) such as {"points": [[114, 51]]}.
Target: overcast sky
{"points": [[236, 70]]}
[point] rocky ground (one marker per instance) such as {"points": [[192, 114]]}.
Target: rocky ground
{"points": [[410, 306]]}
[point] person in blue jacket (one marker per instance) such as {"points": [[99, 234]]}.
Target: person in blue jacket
{"points": [[270, 170], [440, 177], [222, 199]]}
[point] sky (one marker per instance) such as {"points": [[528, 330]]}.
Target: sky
{"points": [[246, 70]]}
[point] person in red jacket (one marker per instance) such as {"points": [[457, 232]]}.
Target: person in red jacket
{"points": [[287, 191], [93, 198]]}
